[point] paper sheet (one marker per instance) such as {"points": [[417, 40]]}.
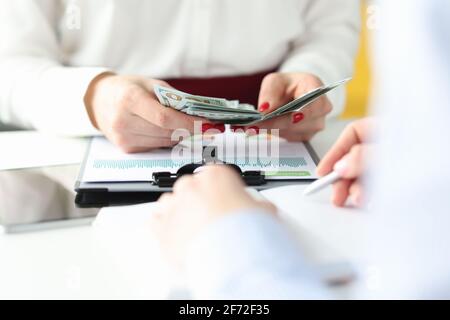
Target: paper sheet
{"points": [[275, 157], [344, 229], [128, 217], [30, 149], [318, 248]]}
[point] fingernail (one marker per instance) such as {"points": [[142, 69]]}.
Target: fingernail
{"points": [[206, 127], [237, 128], [220, 127], [298, 117], [341, 167], [256, 129], [264, 107]]}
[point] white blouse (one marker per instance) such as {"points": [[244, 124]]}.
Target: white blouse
{"points": [[50, 50]]}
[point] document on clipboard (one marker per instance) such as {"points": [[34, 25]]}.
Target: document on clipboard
{"points": [[110, 177], [275, 158]]}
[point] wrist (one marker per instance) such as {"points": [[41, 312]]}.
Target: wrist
{"points": [[90, 96]]}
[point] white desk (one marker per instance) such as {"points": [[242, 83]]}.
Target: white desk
{"points": [[71, 263]]}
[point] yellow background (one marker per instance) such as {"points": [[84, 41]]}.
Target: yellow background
{"points": [[358, 91]]}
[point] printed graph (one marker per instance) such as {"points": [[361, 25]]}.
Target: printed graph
{"points": [[257, 164]]}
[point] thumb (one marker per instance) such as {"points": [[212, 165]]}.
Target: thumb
{"points": [[273, 92], [148, 84]]}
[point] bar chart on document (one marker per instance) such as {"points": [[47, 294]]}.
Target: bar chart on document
{"points": [[278, 159]]}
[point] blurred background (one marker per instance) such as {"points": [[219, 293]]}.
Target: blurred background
{"points": [[359, 90]]}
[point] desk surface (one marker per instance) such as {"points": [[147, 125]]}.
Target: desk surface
{"points": [[73, 263]]}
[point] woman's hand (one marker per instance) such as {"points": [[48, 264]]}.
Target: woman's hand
{"points": [[347, 158], [127, 111], [198, 200], [278, 89]]}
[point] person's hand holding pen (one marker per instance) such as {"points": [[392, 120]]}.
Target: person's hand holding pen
{"points": [[347, 159]]}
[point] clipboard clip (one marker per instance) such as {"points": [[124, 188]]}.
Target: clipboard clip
{"points": [[168, 179]]}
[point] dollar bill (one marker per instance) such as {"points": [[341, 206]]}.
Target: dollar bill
{"points": [[232, 111], [177, 99]]}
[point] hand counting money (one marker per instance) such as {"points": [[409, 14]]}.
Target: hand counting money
{"points": [[232, 111]]}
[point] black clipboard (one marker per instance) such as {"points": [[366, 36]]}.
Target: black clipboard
{"points": [[105, 194]]}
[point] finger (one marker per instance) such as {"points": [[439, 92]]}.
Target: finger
{"points": [[289, 123], [131, 143], [314, 112], [352, 165], [165, 199], [156, 223], [268, 206], [136, 125], [319, 108], [158, 215], [208, 171], [163, 203], [306, 83], [297, 137], [281, 122], [357, 194], [341, 192], [147, 107], [273, 93], [149, 84], [142, 141], [349, 137], [223, 175], [185, 183]]}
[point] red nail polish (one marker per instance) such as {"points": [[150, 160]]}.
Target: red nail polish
{"points": [[298, 117], [220, 127], [237, 128], [206, 127], [256, 129], [264, 107]]}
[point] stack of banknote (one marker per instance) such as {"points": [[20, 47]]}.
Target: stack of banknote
{"points": [[232, 111]]}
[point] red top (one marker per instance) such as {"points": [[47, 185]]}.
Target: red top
{"points": [[242, 88]]}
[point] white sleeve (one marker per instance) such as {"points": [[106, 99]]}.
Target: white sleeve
{"points": [[36, 89], [410, 172], [329, 45], [250, 255]]}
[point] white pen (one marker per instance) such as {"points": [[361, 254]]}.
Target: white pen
{"points": [[322, 183]]}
